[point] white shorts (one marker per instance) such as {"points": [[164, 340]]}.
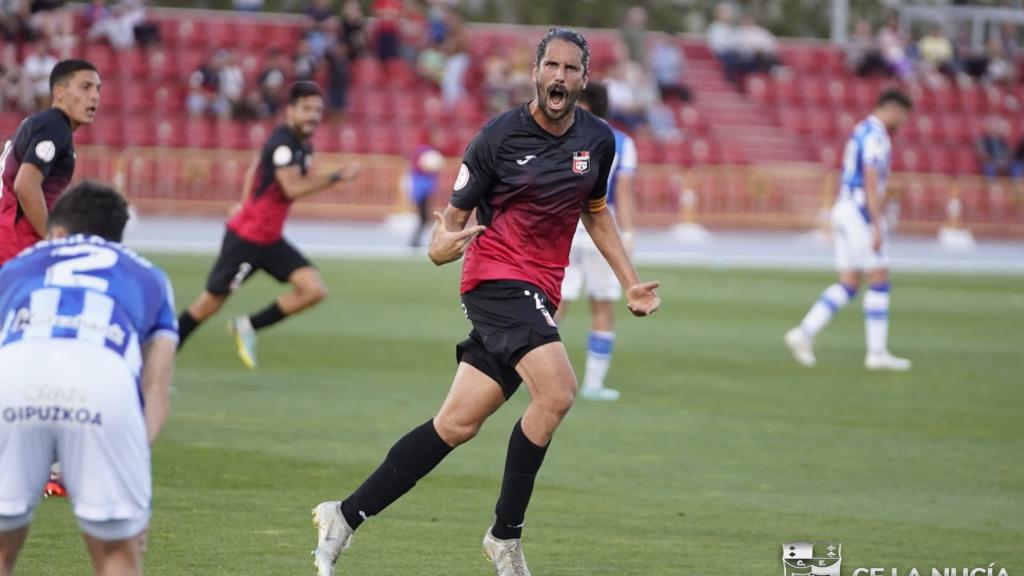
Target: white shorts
{"points": [[588, 266], [77, 404], [852, 237]]}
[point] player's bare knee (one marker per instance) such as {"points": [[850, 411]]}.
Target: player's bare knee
{"points": [[455, 431], [557, 402]]}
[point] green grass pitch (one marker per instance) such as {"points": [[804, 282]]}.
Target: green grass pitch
{"points": [[721, 449]]}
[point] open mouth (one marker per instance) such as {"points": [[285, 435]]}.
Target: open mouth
{"points": [[90, 110], [557, 96]]}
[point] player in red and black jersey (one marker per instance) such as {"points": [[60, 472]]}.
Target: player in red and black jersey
{"points": [[254, 237], [37, 164], [531, 174]]}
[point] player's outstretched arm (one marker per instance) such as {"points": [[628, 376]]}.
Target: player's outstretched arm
{"points": [[641, 299], [28, 188], [295, 185], [157, 372], [450, 237]]}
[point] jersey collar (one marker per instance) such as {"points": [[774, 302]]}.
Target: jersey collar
{"points": [[533, 122]]}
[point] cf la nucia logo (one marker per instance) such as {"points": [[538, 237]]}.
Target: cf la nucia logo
{"points": [[807, 559]]}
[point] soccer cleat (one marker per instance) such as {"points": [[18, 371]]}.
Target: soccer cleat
{"points": [[507, 555], [886, 361], [599, 394], [245, 340], [802, 347], [334, 536]]}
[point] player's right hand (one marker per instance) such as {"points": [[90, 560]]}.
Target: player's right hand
{"points": [[234, 208], [876, 237], [642, 300], [446, 245]]}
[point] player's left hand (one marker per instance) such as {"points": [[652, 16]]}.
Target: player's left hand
{"points": [[642, 300], [448, 246]]}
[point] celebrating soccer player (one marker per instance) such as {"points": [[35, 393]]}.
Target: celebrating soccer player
{"points": [[861, 238], [39, 162], [254, 237], [588, 267], [530, 174], [87, 345]]}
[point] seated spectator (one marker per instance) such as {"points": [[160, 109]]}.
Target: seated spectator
{"points": [[232, 81], [387, 34], [970, 60], [633, 34], [353, 29], [337, 79], [1000, 70], [36, 68], [271, 83], [993, 149], [936, 52], [668, 64], [10, 79], [321, 28], [723, 41], [53, 21], [204, 94], [430, 63], [14, 20], [456, 63], [862, 53], [117, 25], [892, 46], [304, 63], [497, 82], [757, 47]]}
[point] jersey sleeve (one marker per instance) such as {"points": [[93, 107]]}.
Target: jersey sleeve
{"points": [[281, 151], [476, 175], [876, 150], [597, 200], [164, 323], [46, 143], [627, 156]]}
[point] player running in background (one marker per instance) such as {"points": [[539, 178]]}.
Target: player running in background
{"points": [[254, 237], [39, 161], [529, 174], [587, 266], [861, 238], [87, 345]]}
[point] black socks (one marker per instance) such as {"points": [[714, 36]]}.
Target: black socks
{"points": [[522, 462], [270, 315]]}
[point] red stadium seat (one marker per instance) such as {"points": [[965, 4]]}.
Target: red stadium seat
{"points": [[140, 131]]}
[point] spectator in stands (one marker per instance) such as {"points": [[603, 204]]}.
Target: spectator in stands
{"points": [[232, 81], [758, 49], [14, 20], [387, 34], [453, 81], [10, 78], [498, 82], [304, 63], [862, 54], [337, 79], [723, 41], [321, 27], [892, 46], [116, 25], [935, 51], [970, 60], [204, 94], [36, 68], [53, 21], [521, 73], [271, 83], [1010, 39], [634, 34], [668, 64], [1000, 70], [430, 63], [353, 29], [993, 149]]}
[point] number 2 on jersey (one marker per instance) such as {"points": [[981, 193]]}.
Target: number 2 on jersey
{"points": [[73, 272]]}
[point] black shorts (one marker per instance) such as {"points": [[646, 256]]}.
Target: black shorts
{"points": [[510, 318], [239, 258]]}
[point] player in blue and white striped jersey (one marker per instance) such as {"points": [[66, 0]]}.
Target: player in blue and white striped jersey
{"points": [[87, 342], [861, 238]]}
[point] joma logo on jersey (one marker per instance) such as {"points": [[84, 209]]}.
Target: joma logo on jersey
{"points": [[581, 162], [806, 559]]}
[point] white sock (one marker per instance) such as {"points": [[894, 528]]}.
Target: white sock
{"points": [[831, 301], [599, 358], [876, 318]]}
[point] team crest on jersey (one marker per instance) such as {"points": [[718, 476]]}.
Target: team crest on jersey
{"points": [[581, 162]]}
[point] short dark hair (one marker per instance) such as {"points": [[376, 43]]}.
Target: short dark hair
{"points": [[91, 208], [595, 96], [65, 69], [895, 96], [303, 89], [567, 35]]}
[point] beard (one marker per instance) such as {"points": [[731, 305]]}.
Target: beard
{"points": [[561, 97]]}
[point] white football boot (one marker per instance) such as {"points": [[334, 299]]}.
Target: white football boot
{"points": [[507, 555], [886, 361], [334, 536], [802, 347]]}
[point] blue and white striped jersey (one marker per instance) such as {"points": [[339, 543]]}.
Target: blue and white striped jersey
{"points": [[624, 163], [868, 146], [86, 289]]}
